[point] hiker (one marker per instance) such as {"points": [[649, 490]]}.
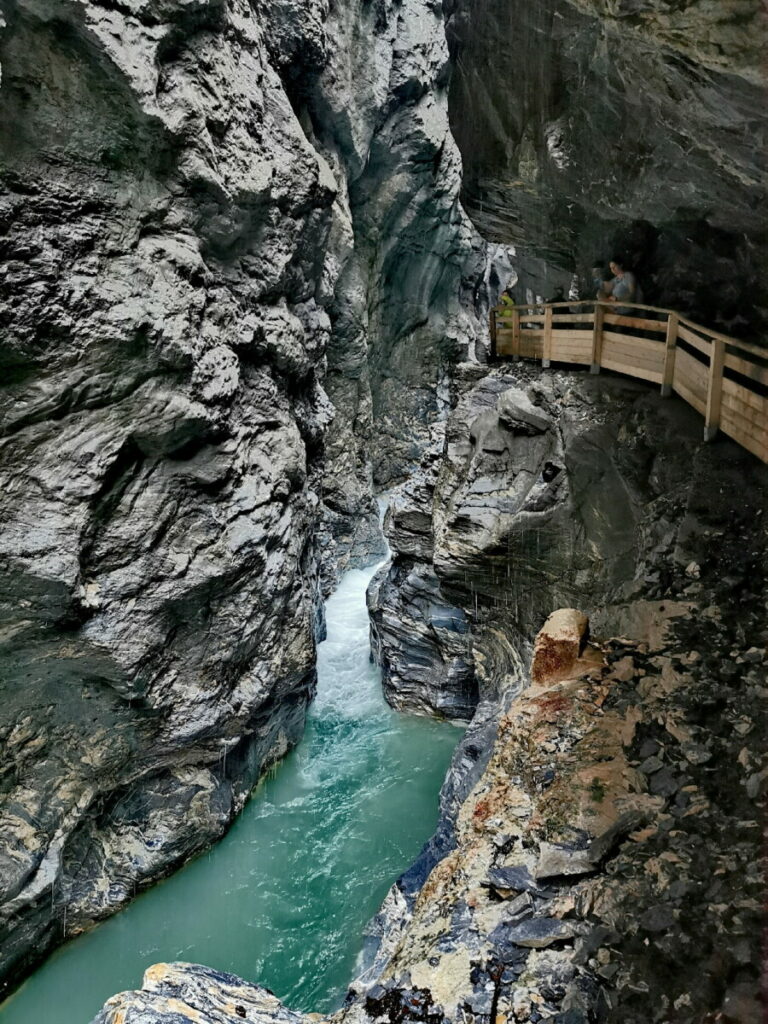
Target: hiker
{"points": [[602, 281], [623, 286], [506, 299], [506, 305]]}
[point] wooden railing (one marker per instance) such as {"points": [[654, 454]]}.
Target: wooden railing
{"points": [[724, 379]]}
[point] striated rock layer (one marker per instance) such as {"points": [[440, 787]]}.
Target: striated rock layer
{"points": [[203, 238], [598, 856]]}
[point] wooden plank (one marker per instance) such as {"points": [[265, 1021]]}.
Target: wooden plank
{"points": [[636, 323], [570, 355], [546, 358], [641, 373], [737, 395], [633, 356], [748, 418], [504, 344], [561, 348], [758, 448], [597, 340], [632, 344], [691, 397], [580, 337], [670, 349], [692, 369], [554, 305], [640, 306], [516, 336], [643, 367], [710, 333], [745, 412], [747, 368], [693, 339], [746, 346], [752, 405], [573, 318], [757, 432], [531, 344], [714, 389]]}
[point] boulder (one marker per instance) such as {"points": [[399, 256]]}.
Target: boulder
{"points": [[558, 645]]}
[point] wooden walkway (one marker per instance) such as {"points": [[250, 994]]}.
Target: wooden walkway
{"points": [[724, 379]]}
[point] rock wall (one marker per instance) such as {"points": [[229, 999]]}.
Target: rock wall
{"points": [[203, 238], [598, 857], [548, 490], [594, 126], [581, 854]]}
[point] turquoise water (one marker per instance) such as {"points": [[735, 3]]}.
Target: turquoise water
{"points": [[284, 897]]}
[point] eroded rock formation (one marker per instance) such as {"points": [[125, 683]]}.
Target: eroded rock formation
{"points": [[203, 237], [232, 243], [590, 126], [598, 853]]}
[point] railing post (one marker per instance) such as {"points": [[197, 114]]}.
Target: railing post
{"points": [[546, 356], [492, 325], [515, 335], [714, 388], [668, 376], [597, 339]]}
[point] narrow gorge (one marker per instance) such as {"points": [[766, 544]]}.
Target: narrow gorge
{"points": [[249, 251]]}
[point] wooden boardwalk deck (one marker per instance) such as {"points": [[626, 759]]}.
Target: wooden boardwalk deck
{"points": [[724, 379]]}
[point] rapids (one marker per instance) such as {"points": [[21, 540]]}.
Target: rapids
{"points": [[284, 898]]}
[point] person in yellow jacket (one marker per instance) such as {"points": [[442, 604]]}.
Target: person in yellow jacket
{"points": [[506, 305]]}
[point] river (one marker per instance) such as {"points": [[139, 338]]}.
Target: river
{"points": [[283, 899]]}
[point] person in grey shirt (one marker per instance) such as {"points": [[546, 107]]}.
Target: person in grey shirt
{"points": [[623, 286], [601, 282]]}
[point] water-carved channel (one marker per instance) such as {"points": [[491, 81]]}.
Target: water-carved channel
{"points": [[284, 898]]}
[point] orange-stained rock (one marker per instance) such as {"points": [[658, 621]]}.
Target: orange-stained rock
{"points": [[558, 646]]}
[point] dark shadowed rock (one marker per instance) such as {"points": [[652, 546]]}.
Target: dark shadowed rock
{"points": [[590, 128]]}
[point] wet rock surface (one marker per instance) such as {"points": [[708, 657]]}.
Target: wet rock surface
{"points": [[593, 127], [599, 855], [546, 493], [204, 253]]}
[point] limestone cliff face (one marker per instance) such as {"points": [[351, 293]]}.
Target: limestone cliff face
{"points": [[572, 859], [198, 206], [589, 126], [545, 492], [572, 876]]}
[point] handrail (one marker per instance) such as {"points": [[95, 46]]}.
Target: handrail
{"points": [[723, 378]]}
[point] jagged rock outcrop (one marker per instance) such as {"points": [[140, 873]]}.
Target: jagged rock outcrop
{"points": [[591, 126], [546, 494], [602, 793], [583, 856], [203, 238], [581, 860], [415, 280]]}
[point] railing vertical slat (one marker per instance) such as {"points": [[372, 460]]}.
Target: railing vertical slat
{"points": [[597, 339], [714, 388], [547, 348], [515, 335], [668, 377]]}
